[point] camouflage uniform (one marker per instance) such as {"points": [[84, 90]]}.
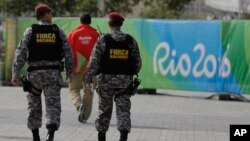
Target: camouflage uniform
{"points": [[50, 81], [110, 86]]}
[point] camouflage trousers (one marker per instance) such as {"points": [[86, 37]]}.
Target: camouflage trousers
{"points": [[50, 81], [123, 106]]}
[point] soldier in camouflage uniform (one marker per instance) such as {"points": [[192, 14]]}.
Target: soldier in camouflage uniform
{"points": [[43, 46], [115, 58]]}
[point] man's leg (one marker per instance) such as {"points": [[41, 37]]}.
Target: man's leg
{"points": [[88, 100], [35, 111], [105, 112], [53, 108], [74, 90], [35, 106], [35, 115], [123, 106]]}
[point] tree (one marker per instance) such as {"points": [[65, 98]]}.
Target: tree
{"points": [[89, 6], [152, 9], [164, 8], [122, 6], [69, 7], [59, 7]]}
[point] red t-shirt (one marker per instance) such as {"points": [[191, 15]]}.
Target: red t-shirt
{"points": [[82, 40]]}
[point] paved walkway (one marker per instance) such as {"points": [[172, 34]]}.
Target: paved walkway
{"points": [[184, 117]]}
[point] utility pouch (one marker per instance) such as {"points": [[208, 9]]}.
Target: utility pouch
{"points": [[134, 85], [27, 87]]}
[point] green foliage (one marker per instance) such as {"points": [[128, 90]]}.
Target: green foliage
{"points": [[164, 8], [245, 16], [18, 7], [59, 7], [122, 6], [26, 7], [69, 7], [88, 6]]}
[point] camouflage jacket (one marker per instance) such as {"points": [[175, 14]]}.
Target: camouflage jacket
{"points": [[110, 80], [22, 53]]}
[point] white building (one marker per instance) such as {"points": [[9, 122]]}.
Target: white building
{"points": [[236, 7], [225, 5]]}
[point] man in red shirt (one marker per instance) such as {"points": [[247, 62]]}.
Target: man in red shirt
{"points": [[82, 40]]}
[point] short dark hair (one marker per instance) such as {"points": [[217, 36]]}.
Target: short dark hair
{"points": [[85, 18], [40, 14], [115, 23]]}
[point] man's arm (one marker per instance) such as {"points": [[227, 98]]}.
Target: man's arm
{"points": [[69, 59], [70, 39], [20, 56], [95, 59], [136, 54]]}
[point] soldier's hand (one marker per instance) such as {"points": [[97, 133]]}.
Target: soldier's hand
{"points": [[69, 79], [15, 81], [89, 88]]}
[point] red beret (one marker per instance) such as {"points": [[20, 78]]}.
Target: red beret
{"points": [[116, 16], [41, 7]]}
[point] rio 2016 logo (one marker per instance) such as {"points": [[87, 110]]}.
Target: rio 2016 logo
{"points": [[185, 66]]}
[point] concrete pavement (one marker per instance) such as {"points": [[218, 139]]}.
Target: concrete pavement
{"points": [[186, 116]]}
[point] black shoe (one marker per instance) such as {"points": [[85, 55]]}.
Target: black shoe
{"points": [[50, 136], [38, 139], [35, 133], [123, 135], [81, 117], [101, 136]]}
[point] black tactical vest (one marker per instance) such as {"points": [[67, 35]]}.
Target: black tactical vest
{"points": [[118, 58], [45, 44]]}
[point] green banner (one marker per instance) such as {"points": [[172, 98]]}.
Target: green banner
{"points": [[212, 56]]}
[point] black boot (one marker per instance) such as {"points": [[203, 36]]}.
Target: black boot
{"points": [[123, 135], [101, 136], [50, 135], [35, 133]]}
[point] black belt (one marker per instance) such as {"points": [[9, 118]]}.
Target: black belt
{"points": [[52, 67]]}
